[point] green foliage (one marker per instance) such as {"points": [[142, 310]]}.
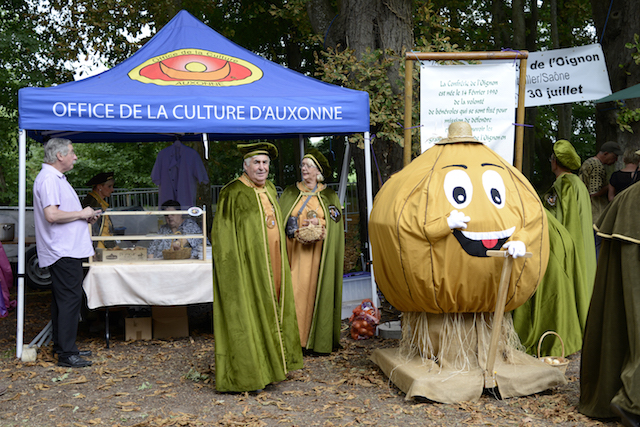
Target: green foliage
{"points": [[19, 45], [145, 386], [195, 376], [627, 117], [258, 26], [61, 377], [480, 25], [635, 45], [369, 73], [131, 162], [584, 129]]}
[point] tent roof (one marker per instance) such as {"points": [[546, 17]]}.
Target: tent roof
{"points": [[188, 80], [630, 92]]}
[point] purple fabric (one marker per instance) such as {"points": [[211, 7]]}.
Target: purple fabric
{"points": [[6, 281], [177, 171], [55, 241]]}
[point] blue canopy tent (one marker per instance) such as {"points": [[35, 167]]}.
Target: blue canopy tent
{"points": [[187, 82]]}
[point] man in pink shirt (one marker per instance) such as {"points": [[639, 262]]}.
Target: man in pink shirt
{"points": [[63, 240]]}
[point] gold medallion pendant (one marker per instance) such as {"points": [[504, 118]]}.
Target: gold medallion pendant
{"points": [[270, 220], [312, 214]]}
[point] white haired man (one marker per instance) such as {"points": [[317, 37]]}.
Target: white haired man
{"points": [[63, 240], [255, 327]]}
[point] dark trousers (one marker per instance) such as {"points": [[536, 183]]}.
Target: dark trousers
{"points": [[66, 287]]}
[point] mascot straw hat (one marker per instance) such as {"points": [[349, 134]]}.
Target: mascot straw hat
{"points": [[459, 132]]}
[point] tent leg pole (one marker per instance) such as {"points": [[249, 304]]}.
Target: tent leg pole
{"points": [[344, 173], [369, 189], [21, 238]]}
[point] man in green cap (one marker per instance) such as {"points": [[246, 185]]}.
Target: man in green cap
{"points": [[561, 301], [570, 203], [255, 327]]}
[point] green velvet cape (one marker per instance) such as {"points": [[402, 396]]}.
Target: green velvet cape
{"points": [[256, 336], [610, 363], [561, 301], [324, 335], [573, 210], [553, 306]]}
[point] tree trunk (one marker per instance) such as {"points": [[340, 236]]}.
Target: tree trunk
{"points": [[366, 25], [531, 114], [563, 110], [621, 24], [499, 24], [519, 28]]}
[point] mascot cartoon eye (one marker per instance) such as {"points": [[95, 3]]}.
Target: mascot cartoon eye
{"points": [[458, 188], [494, 187]]}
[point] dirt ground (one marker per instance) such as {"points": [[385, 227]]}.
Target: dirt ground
{"points": [[170, 383]]}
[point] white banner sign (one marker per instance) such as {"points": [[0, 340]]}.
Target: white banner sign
{"points": [[481, 95], [566, 75]]}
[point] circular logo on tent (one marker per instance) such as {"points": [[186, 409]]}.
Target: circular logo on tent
{"points": [[196, 67]]}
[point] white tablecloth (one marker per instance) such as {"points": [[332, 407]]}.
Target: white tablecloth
{"points": [[148, 284]]}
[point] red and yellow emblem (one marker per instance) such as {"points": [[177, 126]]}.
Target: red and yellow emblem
{"points": [[196, 67]]}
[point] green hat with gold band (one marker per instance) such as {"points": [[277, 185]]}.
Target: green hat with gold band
{"points": [[255, 148], [566, 154], [100, 178], [318, 159], [314, 160]]}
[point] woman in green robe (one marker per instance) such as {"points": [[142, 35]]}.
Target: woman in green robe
{"points": [[316, 267], [561, 302], [255, 327]]}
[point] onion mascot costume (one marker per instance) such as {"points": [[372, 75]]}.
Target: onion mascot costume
{"points": [[431, 226]]}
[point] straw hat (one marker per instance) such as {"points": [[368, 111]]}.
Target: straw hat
{"points": [[459, 132]]}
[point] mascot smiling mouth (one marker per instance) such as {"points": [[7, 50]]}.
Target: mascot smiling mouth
{"points": [[478, 243]]}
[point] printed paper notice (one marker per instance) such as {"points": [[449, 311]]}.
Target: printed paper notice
{"points": [[482, 95]]}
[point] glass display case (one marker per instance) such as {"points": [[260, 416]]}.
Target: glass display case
{"points": [[146, 236]]}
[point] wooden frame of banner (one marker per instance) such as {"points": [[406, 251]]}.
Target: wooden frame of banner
{"points": [[464, 56]]}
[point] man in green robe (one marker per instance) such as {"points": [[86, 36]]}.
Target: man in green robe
{"points": [[561, 301], [255, 327], [610, 364], [324, 331]]}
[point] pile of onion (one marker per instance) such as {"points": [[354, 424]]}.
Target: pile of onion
{"points": [[364, 320]]}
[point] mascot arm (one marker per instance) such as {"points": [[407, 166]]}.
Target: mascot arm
{"points": [[439, 228], [457, 220], [516, 248]]}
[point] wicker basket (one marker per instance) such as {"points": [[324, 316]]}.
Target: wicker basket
{"points": [[310, 234], [557, 362], [182, 253]]}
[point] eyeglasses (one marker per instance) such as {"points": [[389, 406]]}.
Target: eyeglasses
{"points": [[307, 165]]}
